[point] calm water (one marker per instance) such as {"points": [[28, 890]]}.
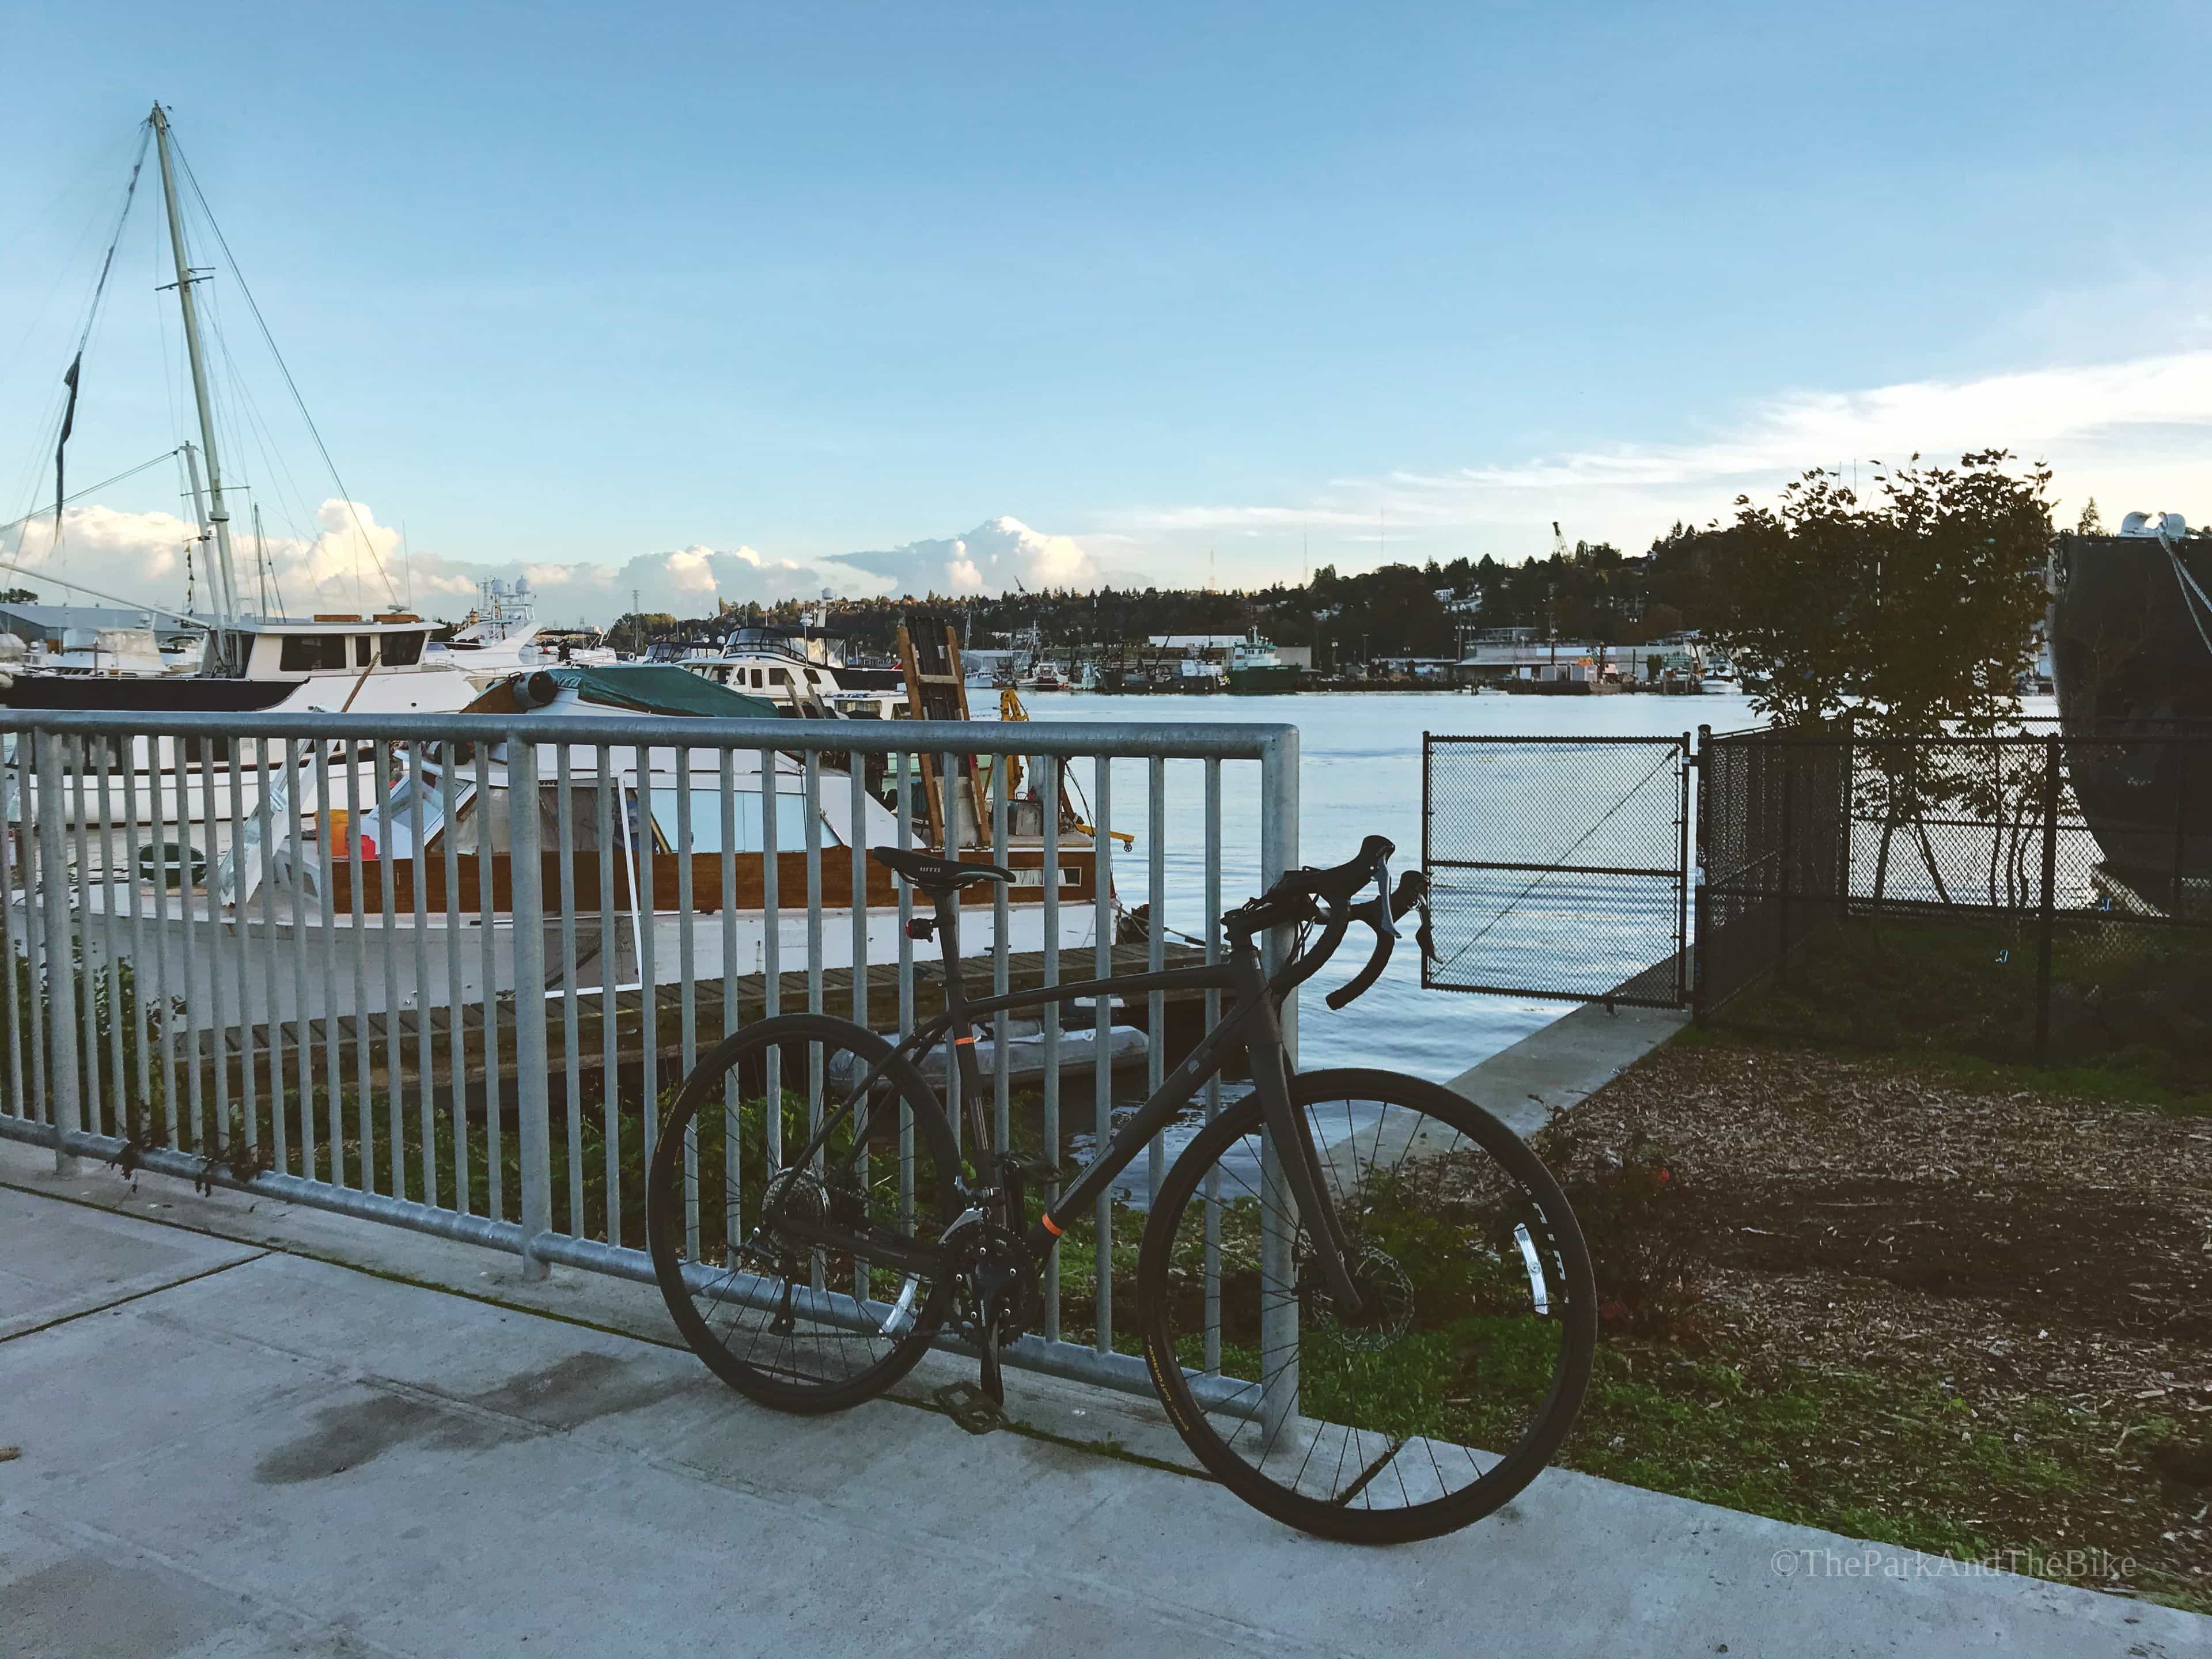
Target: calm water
{"points": [[1360, 774]]}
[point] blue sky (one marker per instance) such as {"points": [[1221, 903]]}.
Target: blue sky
{"points": [[582, 290]]}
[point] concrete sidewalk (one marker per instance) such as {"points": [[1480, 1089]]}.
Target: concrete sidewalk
{"points": [[248, 1432]]}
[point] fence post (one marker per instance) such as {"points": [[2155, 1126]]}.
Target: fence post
{"points": [[1701, 941], [2188, 754], [2046, 914], [1279, 1319], [1785, 856], [531, 1093], [65, 1110]]}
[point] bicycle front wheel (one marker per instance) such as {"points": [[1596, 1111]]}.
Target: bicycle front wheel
{"points": [[790, 1275], [1460, 1372]]}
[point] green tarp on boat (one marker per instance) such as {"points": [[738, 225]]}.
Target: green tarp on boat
{"points": [[647, 688]]}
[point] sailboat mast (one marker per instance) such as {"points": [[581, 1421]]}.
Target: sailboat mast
{"points": [[226, 579]]}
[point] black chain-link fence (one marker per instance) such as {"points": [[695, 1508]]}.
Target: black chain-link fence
{"points": [[1556, 867], [2046, 895]]}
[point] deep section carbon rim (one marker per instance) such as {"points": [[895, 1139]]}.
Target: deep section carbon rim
{"points": [[773, 1264], [1460, 1371]]}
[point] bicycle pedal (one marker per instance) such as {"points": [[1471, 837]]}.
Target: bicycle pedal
{"points": [[971, 1408]]}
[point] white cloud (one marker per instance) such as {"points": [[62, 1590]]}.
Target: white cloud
{"points": [[2132, 432], [989, 559]]}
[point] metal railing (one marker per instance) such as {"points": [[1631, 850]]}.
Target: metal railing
{"points": [[237, 949]]}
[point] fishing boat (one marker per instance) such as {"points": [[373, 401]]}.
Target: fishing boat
{"points": [[1256, 669], [2129, 633]]}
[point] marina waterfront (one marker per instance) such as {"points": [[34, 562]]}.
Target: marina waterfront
{"points": [[1361, 766]]}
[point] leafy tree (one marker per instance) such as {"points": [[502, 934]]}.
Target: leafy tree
{"points": [[2093, 522], [18, 596], [1912, 615]]}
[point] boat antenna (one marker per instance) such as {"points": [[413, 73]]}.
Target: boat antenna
{"points": [[224, 580], [84, 336]]}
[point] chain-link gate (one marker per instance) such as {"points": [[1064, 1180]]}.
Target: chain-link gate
{"points": [[1559, 867]]}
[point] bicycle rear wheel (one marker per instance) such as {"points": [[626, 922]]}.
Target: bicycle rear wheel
{"points": [[1461, 1371], [818, 1319]]}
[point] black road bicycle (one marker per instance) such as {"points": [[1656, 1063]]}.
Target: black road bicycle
{"points": [[1363, 1300]]}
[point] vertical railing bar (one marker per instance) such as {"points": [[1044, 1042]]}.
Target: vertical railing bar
{"points": [[249, 1090], [901, 772], [948, 774], [1048, 794], [38, 958], [124, 1104], [687, 994], [564, 850], [327, 855], [642, 855], [65, 1107], [426, 1056], [1155, 934], [395, 1049], [726, 782], [364, 1101], [811, 775], [79, 954], [604, 789], [771, 956], [280, 1129], [189, 970], [218, 1021], [533, 1105], [303, 1028], [488, 921], [856, 835], [1278, 1324], [1213, 1321], [18, 1086], [457, 1024], [1101, 1062], [159, 814], [1001, 958]]}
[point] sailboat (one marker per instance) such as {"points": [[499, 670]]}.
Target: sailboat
{"points": [[360, 662]]}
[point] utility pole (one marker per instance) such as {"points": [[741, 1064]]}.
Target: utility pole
{"points": [[225, 583]]}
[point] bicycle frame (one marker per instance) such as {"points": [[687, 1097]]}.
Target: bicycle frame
{"points": [[1250, 1023]]}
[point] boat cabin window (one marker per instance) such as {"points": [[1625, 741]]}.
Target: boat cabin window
{"points": [[364, 650], [306, 653], [707, 821], [402, 650], [779, 676], [813, 679]]}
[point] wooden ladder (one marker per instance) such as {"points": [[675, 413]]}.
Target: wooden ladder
{"points": [[936, 689]]}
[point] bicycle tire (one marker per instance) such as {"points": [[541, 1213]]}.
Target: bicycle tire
{"points": [[674, 1219], [1404, 1417]]}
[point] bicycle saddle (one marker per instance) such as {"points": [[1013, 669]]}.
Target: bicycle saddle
{"points": [[933, 874]]}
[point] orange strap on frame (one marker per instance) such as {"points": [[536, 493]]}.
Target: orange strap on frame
{"points": [[1050, 1225]]}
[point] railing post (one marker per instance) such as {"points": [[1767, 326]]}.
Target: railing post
{"points": [[2045, 919], [1279, 1319], [531, 1061], [65, 1110]]}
